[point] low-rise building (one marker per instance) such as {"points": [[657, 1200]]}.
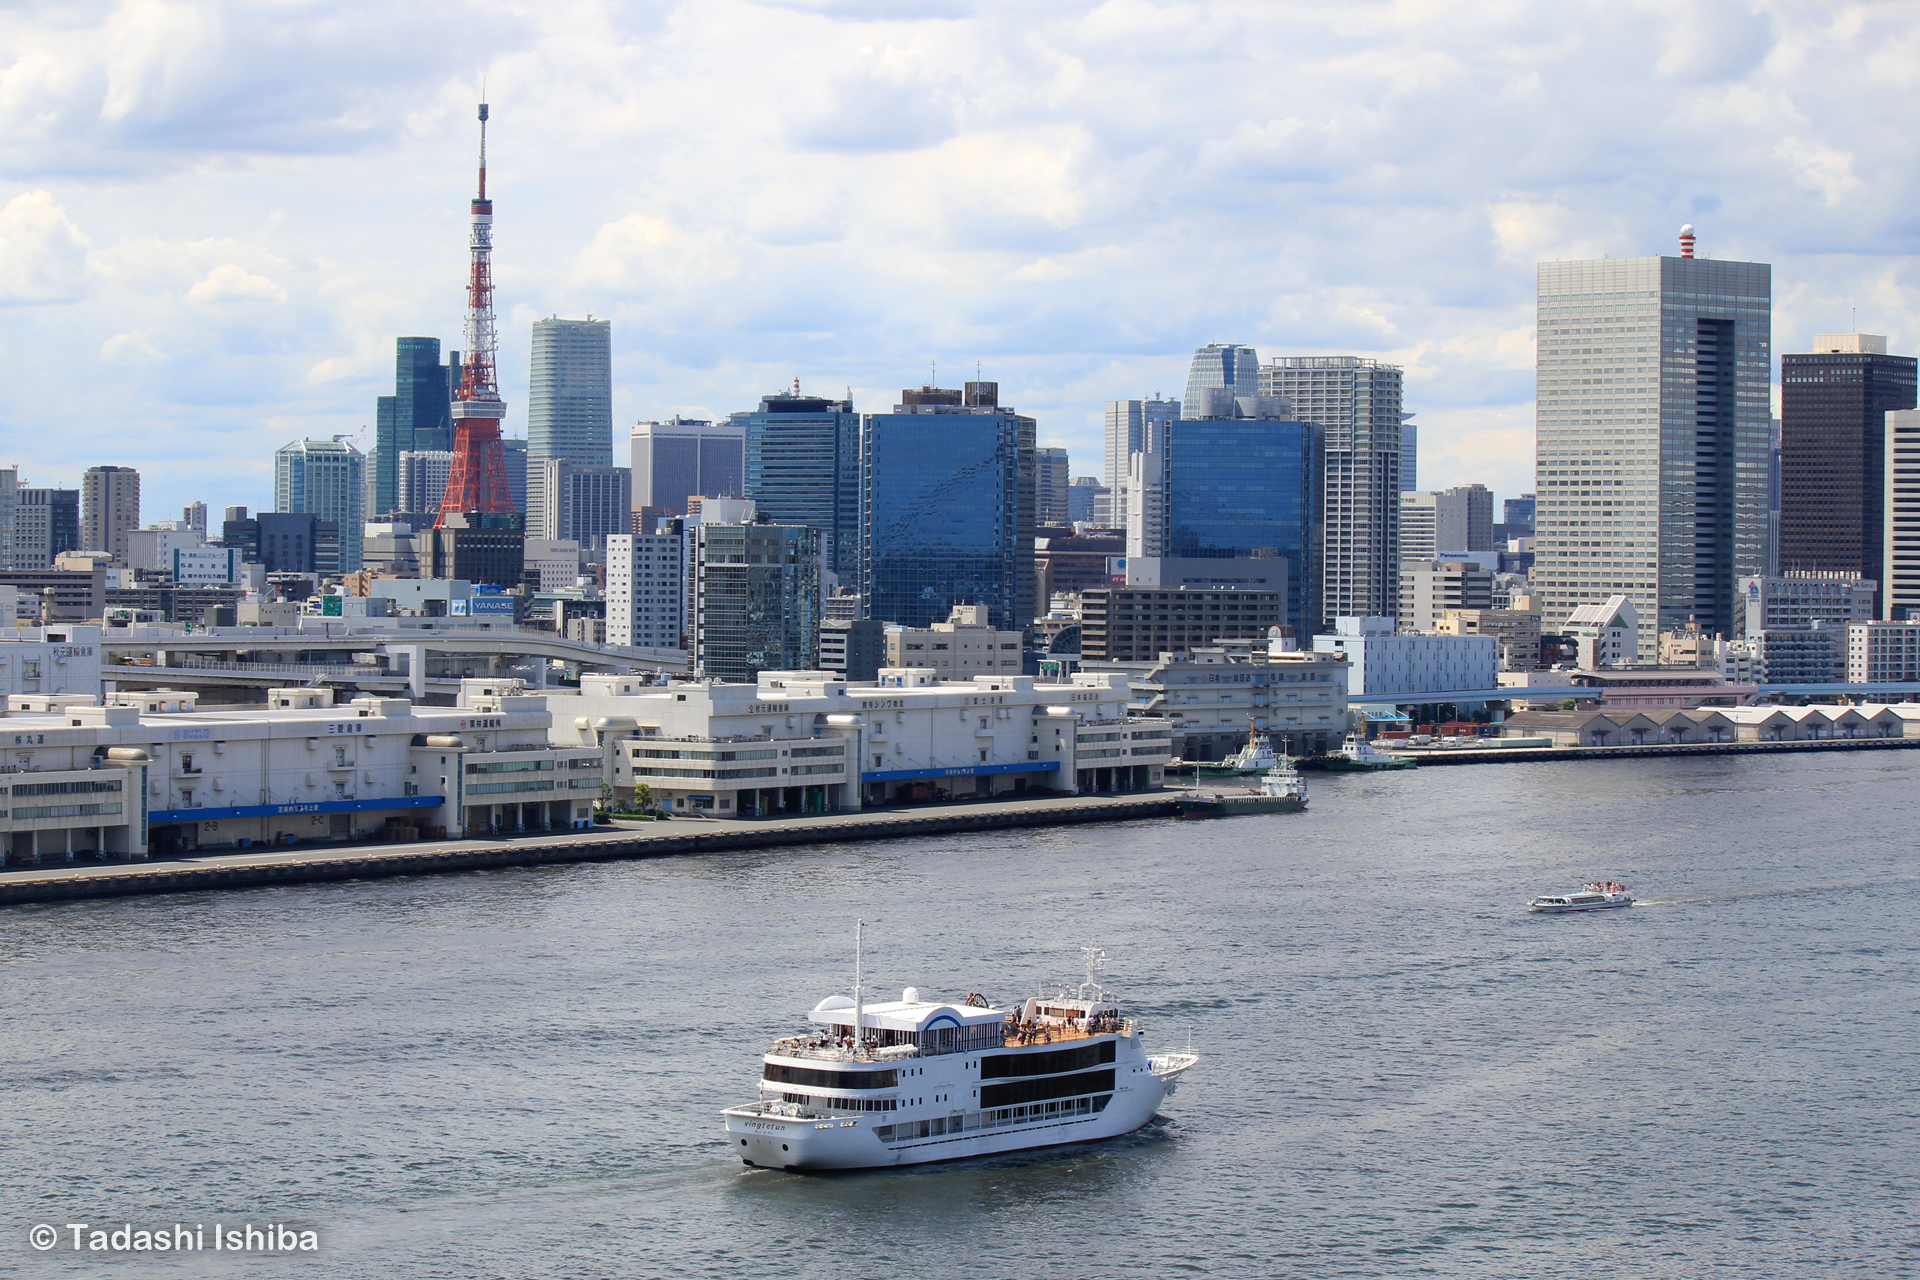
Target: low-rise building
{"points": [[1379, 661], [1517, 630], [154, 771], [805, 742], [1214, 697], [1429, 589], [1606, 633], [50, 660], [1799, 597], [964, 646]]}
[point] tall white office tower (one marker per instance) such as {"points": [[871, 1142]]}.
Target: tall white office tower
{"points": [[1129, 426], [1640, 359], [325, 478], [1900, 570], [570, 398], [1356, 403], [1222, 372]]}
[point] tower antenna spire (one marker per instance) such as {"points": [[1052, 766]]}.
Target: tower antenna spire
{"points": [[477, 486]]}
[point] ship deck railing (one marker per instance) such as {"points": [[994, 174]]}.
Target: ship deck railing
{"points": [[1013, 1036]]}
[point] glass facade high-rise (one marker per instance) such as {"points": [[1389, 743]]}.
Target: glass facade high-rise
{"points": [[417, 416], [803, 468], [1221, 373], [756, 599], [947, 508], [1652, 438], [1357, 404], [1248, 487], [1834, 403], [570, 398], [324, 478]]}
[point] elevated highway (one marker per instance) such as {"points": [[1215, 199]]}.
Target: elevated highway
{"points": [[411, 662]]}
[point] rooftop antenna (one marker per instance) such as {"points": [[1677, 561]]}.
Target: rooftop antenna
{"points": [[1686, 240], [933, 371]]}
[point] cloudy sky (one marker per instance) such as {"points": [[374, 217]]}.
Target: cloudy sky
{"points": [[215, 218]]}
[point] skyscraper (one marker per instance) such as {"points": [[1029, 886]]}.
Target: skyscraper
{"points": [[46, 522], [680, 457], [1248, 487], [109, 509], [422, 476], [1640, 359], [1050, 486], [947, 508], [9, 500], [582, 503], [1900, 572], [323, 478], [1088, 500], [1357, 403], [570, 398], [1833, 422], [1409, 455], [646, 605], [417, 416], [1129, 426], [803, 467], [1221, 371]]}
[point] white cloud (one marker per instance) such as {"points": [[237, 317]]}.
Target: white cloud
{"points": [[43, 255], [1074, 192]]}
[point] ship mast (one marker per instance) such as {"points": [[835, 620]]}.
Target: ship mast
{"points": [[857, 927]]}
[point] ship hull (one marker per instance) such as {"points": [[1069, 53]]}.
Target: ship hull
{"points": [[842, 1142], [1237, 806]]}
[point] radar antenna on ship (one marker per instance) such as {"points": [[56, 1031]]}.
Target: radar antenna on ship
{"points": [[1096, 960]]}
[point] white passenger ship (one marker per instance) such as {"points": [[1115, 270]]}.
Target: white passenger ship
{"points": [[915, 1081]]}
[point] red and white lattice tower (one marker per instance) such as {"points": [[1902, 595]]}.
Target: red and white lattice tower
{"points": [[478, 483]]}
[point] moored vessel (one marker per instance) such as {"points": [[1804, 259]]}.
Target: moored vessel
{"points": [[1601, 895], [1258, 756], [914, 1081], [1282, 790], [1357, 755]]}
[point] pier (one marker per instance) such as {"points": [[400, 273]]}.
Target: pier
{"points": [[256, 869]]}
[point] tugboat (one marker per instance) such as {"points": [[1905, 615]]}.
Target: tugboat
{"points": [[914, 1080], [1256, 757], [1281, 791], [1602, 895], [1357, 755]]}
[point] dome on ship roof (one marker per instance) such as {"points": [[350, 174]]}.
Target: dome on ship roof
{"points": [[832, 1003], [910, 996]]}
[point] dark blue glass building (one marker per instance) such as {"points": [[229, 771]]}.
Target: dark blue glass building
{"points": [[803, 468], [1247, 487], [947, 508], [418, 415]]}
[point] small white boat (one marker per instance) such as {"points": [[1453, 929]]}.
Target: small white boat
{"points": [[1599, 896]]}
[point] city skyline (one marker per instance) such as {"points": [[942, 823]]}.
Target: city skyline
{"points": [[171, 288]]}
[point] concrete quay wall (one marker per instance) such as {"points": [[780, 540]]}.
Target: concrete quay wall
{"points": [[368, 862], [1535, 755]]}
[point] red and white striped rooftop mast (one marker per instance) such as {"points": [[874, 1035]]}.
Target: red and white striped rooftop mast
{"points": [[478, 482]]}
